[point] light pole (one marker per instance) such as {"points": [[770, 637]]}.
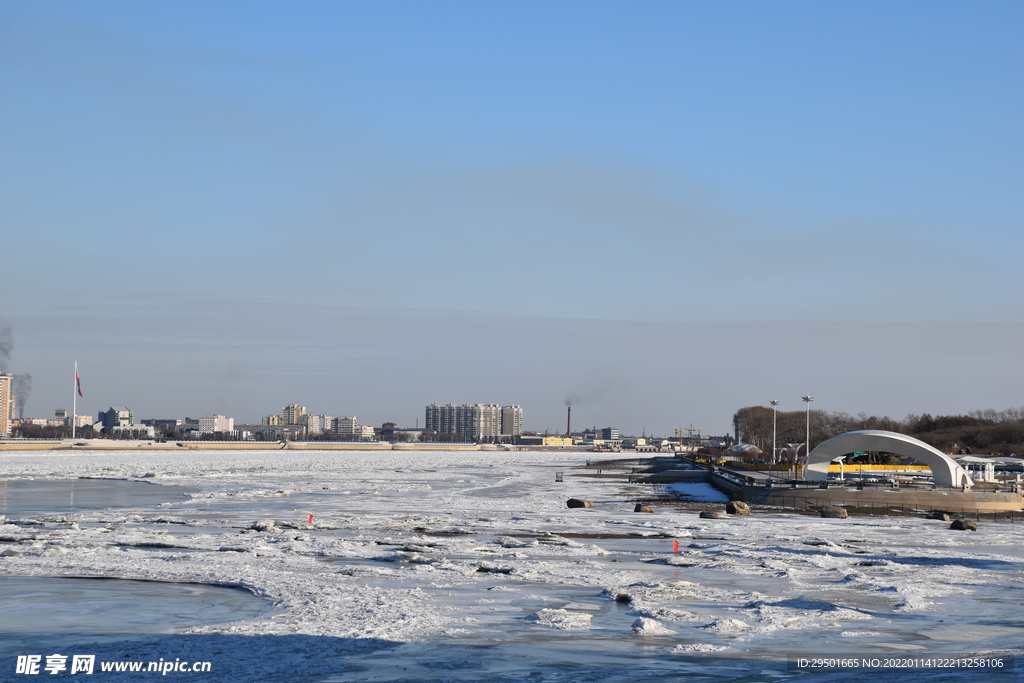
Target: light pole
{"points": [[775, 417], [807, 449]]}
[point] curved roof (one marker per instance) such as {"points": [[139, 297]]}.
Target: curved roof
{"points": [[945, 470]]}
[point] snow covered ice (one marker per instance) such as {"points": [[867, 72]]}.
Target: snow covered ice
{"points": [[466, 566]]}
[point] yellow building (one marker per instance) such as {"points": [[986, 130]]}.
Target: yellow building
{"points": [[6, 405], [544, 441]]}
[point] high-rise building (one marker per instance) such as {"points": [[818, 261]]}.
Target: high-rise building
{"points": [[291, 414], [6, 405], [481, 421], [475, 421], [441, 418], [512, 420]]}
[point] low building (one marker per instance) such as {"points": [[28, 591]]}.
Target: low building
{"points": [[389, 431], [116, 417], [132, 431], [545, 441], [163, 424], [318, 424], [216, 424], [347, 427]]}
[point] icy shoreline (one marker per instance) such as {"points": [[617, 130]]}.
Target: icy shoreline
{"points": [[466, 547]]}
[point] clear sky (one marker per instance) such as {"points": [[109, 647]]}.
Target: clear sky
{"points": [[665, 210]]}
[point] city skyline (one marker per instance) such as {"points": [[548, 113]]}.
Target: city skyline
{"points": [[666, 212]]}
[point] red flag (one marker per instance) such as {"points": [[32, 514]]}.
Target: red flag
{"points": [[78, 385]]}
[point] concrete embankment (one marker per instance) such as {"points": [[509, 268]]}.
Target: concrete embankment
{"points": [[903, 499], [757, 488], [149, 445]]}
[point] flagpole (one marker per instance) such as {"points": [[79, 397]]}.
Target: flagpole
{"points": [[74, 401]]}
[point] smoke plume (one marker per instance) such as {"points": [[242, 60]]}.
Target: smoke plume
{"points": [[21, 386], [6, 344]]}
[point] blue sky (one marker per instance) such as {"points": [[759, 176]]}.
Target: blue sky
{"points": [[393, 189]]}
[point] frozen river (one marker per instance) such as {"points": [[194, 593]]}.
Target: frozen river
{"points": [[467, 566]]}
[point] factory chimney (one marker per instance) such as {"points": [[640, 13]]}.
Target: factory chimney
{"points": [[568, 421]]}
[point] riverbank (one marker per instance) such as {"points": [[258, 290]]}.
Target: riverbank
{"points": [[156, 445]]}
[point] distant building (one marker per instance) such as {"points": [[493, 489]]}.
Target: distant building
{"points": [[116, 417], [347, 427], [318, 424], [512, 421], [62, 418], [389, 431], [441, 418], [610, 434], [545, 441], [292, 414], [480, 421], [272, 421], [165, 424], [6, 405], [132, 431], [475, 421], [216, 424]]}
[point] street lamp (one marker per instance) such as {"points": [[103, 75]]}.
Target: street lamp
{"points": [[775, 416], [807, 449]]}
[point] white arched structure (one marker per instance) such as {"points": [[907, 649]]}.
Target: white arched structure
{"points": [[945, 470]]}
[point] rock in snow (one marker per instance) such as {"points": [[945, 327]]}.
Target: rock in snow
{"points": [[737, 507], [831, 511], [963, 525]]}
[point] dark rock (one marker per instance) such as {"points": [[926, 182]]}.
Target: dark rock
{"points": [[963, 525], [640, 507], [833, 512], [939, 515], [737, 507], [579, 503], [712, 514]]}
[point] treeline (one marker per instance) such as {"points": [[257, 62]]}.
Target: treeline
{"points": [[980, 431]]}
